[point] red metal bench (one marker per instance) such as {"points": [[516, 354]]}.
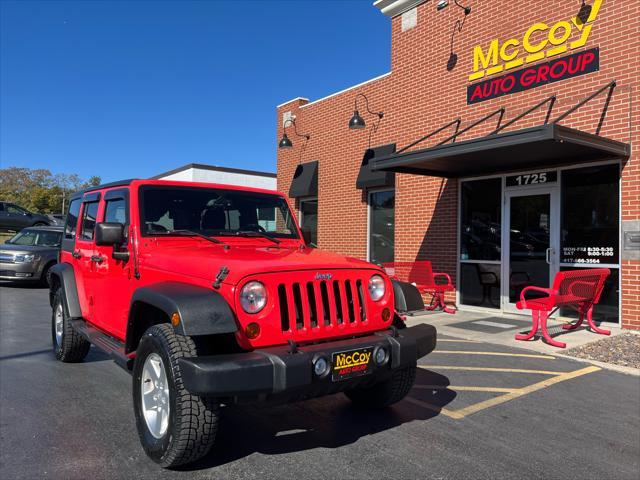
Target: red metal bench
{"points": [[422, 276], [578, 289]]}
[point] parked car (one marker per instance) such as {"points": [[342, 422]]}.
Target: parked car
{"points": [[13, 217], [30, 254], [56, 218], [205, 306]]}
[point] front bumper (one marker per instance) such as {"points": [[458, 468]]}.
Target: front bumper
{"points": [[276, 374], [20, 271]]}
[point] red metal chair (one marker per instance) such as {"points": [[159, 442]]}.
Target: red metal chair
{"points": [[578, 289], [422, 276]]}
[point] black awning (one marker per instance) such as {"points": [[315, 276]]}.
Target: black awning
{"points": [[368, 178], [542, 146], [305, 181]]}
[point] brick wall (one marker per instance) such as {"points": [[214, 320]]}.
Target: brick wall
{"points": [[420, 95]]}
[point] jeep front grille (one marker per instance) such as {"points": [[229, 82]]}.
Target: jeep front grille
{"points": [[321, 304]]}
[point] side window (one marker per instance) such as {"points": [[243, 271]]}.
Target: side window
{"points": [[89, 220], [14, 209], [72, 219], [116, 211]]}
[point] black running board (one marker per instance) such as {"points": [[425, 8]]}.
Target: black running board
{"points": [[109, 345]]}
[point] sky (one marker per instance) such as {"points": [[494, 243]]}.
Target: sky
{"points": [[130, 89]]}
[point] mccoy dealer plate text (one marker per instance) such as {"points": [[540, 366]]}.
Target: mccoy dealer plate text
{"points": [[351, 363]]}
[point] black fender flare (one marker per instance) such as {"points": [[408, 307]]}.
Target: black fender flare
{"points": [[407, 297], [202, 311], [65, 278]]}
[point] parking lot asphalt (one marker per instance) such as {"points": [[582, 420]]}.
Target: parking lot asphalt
{"points": [[477, 411]]}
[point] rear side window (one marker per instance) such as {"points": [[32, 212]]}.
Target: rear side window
{"points": [[72, 219], [89, 220], [116, 211]]}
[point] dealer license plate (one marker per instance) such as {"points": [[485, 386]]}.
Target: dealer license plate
{"points": [[352, 363]]}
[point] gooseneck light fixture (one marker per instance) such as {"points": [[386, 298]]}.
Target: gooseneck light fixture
{"points": [[457, 27], [358, 123], [584, 12], [285, 142]]}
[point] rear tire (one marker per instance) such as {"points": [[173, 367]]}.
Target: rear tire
{"points": [[68, 345], [385, 394], [188, 423]]}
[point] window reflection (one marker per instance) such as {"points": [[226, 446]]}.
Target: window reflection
{"points": [[480, 219], [590, 215], [382, 226], [309, 220]]}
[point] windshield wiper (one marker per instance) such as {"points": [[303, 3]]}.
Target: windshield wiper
{"points": [[253, 233], [191, 233]]}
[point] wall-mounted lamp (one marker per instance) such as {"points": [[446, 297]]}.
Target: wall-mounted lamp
{"points": [[285, 142], [453, 57], [584, 12], [358, 123]]}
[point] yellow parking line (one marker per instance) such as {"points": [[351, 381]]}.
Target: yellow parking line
{"points": [[464, 388], [459, 341], [434, 408], [492, 402], [489, 369], [497, 354]]}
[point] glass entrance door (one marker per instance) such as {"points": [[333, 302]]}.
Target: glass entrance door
{"points": [[530, 242]]}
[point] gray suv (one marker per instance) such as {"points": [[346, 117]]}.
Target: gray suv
{"points": [[30, 254], [13, 217]]}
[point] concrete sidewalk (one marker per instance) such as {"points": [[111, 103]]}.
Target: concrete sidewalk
{"points": [[500, 329]]}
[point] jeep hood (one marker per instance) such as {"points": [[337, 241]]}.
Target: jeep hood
{"points": [[206, 261]]}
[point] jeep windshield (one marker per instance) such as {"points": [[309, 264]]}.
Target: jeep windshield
{"points": [[169, 210]]}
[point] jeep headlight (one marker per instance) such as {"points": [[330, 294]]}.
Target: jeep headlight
{"points": [[253, 297], [376, 287], [25, 258]]}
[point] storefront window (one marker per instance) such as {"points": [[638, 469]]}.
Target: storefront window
{"points": [[309, 220], [480, 220], [480, 230], [590, 215], [382, 226]]}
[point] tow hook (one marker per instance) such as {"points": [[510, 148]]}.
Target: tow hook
{"points": [[293, 347]]}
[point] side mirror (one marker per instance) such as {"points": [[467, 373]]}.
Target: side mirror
{"points": [[109, 234]]}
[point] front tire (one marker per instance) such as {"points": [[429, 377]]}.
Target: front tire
{"points": [[175, 427], [45, 276], [68, 345], [385, 394]]}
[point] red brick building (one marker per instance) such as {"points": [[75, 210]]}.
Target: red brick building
{"points": [[497, 211]]}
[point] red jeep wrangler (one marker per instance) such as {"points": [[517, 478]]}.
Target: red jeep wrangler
{"points": [[209, 295]]}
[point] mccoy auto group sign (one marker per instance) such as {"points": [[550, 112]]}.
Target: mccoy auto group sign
{"points": [[540, 41]]}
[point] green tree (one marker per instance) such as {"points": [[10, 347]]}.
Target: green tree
{"points": [[38, 190]]}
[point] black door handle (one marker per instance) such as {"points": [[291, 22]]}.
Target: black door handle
{"points": [[76, 254], [97, 258]]}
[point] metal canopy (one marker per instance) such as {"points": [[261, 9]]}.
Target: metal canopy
{"points": [[529, 148], [367, 178], [305, 180]]}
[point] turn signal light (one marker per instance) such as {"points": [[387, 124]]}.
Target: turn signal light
{"points": [[252, 330], [175, 319], [386, 314]]}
